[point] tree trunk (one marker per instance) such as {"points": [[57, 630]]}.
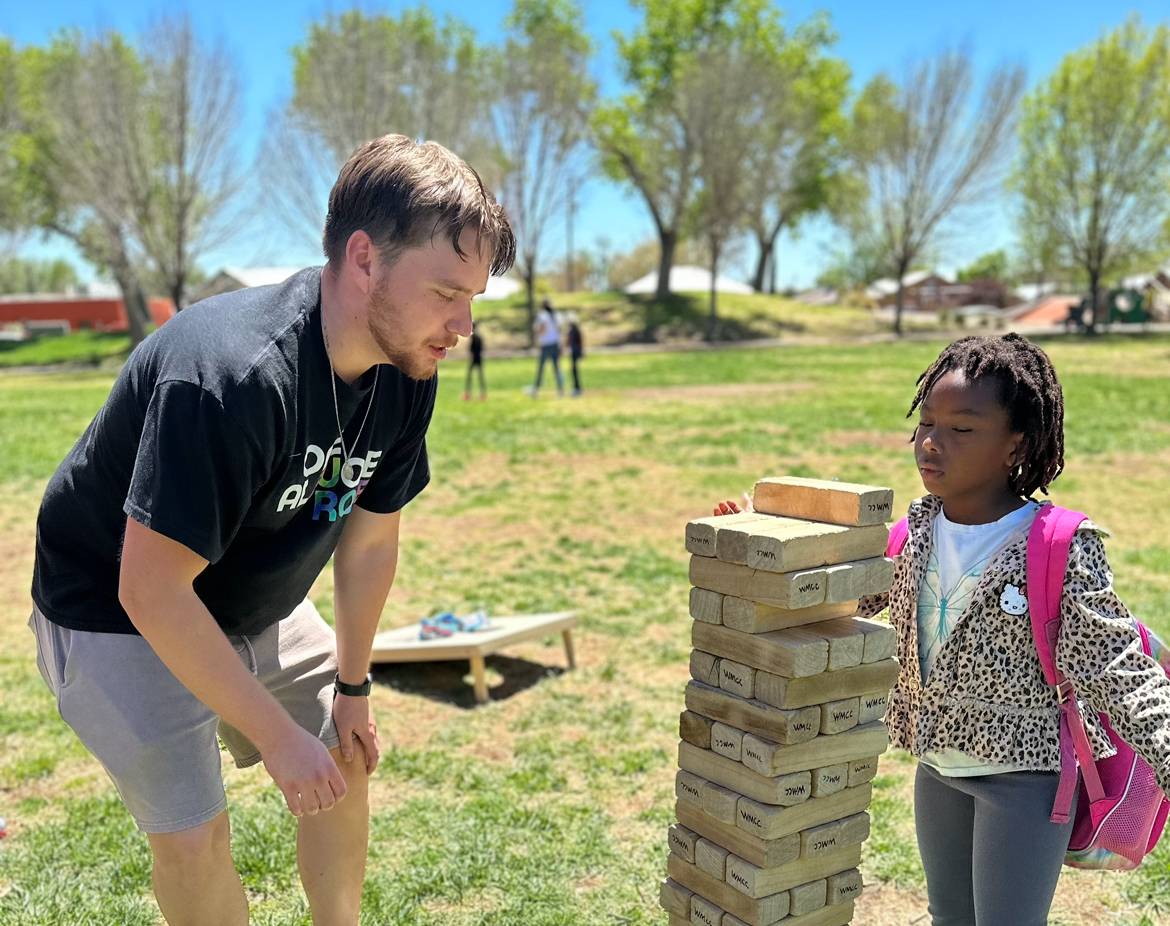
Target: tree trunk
{"points": [[761, 263], [899, 305], [667, 240], [713, 318], [135, 305], [772, 269], [1094, 299]]}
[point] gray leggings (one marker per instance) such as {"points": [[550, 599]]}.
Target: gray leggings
{"points": [[991, 856]]}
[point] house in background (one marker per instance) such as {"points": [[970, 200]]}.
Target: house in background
{"points": [[101, 309], [926, 291], [229, 279]]}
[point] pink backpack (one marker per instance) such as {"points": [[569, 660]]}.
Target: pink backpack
{"points": [[1121, 810]]}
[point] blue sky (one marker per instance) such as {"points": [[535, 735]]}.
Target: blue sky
{"points": [[873, 37]]}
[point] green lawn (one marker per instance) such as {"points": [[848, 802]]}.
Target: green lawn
{"points": [[550, 805]]}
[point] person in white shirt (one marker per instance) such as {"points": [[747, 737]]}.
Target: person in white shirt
{"points": [[548, 336]]}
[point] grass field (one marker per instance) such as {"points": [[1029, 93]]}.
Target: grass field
{"points": [[550, 805]]}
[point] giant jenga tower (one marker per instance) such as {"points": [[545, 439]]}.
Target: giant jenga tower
{"points": [[783, 724]]}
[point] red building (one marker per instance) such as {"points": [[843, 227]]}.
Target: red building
{"points": [[99, 314]]}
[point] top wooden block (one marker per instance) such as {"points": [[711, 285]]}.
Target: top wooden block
{"points": [[844, 503]]}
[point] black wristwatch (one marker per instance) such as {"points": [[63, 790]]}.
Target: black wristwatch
{"points": [[353, 691]]}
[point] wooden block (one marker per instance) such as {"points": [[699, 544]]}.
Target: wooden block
{"points": [[844, 503], [792, 693], [809, 545], [793, 653], [711, 857], [672, 920], [881, 640], [753, 617], [758, 752], [682, 841], [720, 802], [767, 853], [843, 887], [727, 741], [702, 532], [830, 779], [762, 911], [695, 729], [737, 678], [802, 899], [705, 913], [780, 589], [829, 837], [873, 706], [765, 882], [880, 578], [706, 606], [846, 642], [734, 542], [705, 667], [862, 771], [675, 898], [839, 716], [846, 581], [689, 788], [857, 743], [826, 916], [767, 822], [754, 717]]}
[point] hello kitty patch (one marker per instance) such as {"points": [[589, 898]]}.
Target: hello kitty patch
{"points": [[1013, 601]]}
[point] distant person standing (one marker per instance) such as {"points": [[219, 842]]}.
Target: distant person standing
{"points": [[476, 365], [548, 336], [576, 351]]}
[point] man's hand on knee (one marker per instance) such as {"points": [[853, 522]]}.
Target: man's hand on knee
{"points": [[304, 771], [355, 720]]}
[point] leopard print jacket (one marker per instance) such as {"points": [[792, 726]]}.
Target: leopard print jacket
{"points": [[986, 694]]}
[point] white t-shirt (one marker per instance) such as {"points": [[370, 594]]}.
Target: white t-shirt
{"points": [[549, 332], [959, 554]]}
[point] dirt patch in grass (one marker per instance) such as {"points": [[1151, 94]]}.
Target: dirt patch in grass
{"points": [[715, 392]]}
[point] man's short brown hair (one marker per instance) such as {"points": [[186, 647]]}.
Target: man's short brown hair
{"points": [[402, 193]]}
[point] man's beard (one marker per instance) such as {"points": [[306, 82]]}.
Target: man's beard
{"points": [[382, 321]]}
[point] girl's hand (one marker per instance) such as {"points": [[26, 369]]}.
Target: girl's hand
{"points": [[727, 507]]}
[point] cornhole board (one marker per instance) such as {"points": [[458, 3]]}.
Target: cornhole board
{"points": [[404, 645]]}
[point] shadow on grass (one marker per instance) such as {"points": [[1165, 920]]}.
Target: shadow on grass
{"points": [[449, 682]]}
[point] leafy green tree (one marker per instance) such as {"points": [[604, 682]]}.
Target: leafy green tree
{"points": [[18, 275], [792, 153], [924, 152], [992, 266], [543, 94], [1093, 171], [85, 152], [645, 136], [11, 209], [357, 76]]}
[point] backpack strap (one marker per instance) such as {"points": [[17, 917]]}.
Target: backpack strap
{"points": [[1049, 542], [899, 534]]}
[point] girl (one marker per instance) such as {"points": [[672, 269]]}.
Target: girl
{"points": [[971, 701]]}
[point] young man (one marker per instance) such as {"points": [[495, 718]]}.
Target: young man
{"points": [[250, 439]]}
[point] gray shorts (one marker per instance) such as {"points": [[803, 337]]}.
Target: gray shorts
{"points": [[156, 740]]}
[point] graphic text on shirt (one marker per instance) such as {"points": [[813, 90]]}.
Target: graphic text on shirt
{"points": [[330, 499]]}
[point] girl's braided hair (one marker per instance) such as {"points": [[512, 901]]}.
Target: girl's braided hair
{"points": [[1028, 390]]}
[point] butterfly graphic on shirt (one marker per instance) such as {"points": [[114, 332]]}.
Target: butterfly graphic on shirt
{"points": [[939, 610]]}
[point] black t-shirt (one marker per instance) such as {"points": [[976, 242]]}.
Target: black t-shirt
{"points": [[220, 433]]}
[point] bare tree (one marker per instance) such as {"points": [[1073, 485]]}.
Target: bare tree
{"points": [[359, 76], [925, 153], [539, 122], [88, 129], [1094, 168], [182, 203]]}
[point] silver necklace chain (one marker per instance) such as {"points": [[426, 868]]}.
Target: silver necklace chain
{"points": [[336, 407]]}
